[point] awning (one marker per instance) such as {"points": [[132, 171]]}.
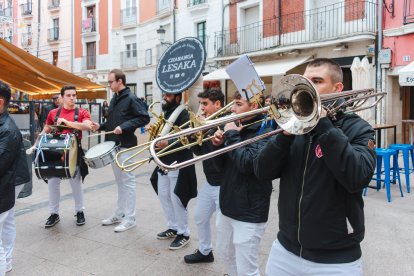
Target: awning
{"points": [[264, 69], [406, 75], [27, 73]]}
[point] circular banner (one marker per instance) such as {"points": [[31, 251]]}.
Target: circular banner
{"points": [[180, 65]]}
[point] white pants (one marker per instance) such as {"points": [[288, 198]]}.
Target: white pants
{"points": [[284, 263], [238, 245], [3, 264], [207, 203], [175, 213], [8, 235], [54, 193], [127, 189]]}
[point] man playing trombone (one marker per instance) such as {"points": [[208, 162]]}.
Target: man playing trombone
{"points": [[244, 199], [211, 101], [322, 175], [175, 188]]}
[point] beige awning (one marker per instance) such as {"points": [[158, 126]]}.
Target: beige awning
{"points": [[406, 75], [27, 73], [264, 69]]}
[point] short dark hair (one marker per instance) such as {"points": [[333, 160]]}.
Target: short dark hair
{"points": [[66, 87], [334, 68], [119, 75], [213, 94], [5, 92]]}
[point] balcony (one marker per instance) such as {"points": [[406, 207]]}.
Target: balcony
{"points": [[88, 25], [331, 22], [53, 34], [129, 16], [408, 12], [27, 39], [192, 3], [53, 5], [89, 62], [26, 9], [129, 59]]}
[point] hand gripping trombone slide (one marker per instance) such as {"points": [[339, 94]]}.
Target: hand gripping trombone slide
{"points": [[296, 109]]}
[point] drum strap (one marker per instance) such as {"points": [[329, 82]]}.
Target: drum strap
{"points": [[76, 118]]}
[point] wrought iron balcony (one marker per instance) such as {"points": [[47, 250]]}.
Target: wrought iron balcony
{"points": [[191, 3], [335, 21], [27, 8], [88, 25], [89, 62], [129, 16], [27, 39], [53, 4], [129, 59], [53, 34], [408, 12]]}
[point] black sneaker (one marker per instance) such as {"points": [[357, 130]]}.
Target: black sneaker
{"points": [[197, 257], [179, 242], [167, 234], [80, 218], [52, 220]]}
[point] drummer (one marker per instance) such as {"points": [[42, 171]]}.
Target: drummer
{"points": [[72, 120], [126, 114]]}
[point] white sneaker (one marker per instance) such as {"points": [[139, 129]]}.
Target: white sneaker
{"points": [[125, 225], [112, 220], [9, 268]]}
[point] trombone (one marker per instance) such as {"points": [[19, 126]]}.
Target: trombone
{"points": [[159, 129], [297, 111]]}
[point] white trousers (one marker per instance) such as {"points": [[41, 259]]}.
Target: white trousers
{"points": [[207, 204], [238, 245], [54, 193], [127, 189], [284, 263], [8, 235], [174, 211], [3, 264]]}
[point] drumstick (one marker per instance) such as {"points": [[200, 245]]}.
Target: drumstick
{"points": [[102, 133], [30, 150]]}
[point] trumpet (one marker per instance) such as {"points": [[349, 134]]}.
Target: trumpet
{"points": [[161, 128], [297, 111]]}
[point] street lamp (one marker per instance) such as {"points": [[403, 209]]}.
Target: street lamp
{"points": [[161, 36]]}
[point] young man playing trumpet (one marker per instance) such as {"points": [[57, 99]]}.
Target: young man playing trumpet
{"points": [[244, 199], [211, 101], [322, 175]]}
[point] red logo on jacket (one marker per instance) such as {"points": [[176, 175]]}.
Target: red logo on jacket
{"points": [[318, 151]]}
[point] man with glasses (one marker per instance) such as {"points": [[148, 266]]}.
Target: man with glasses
{"points": [[126, 114]]}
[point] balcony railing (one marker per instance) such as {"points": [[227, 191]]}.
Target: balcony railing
{"points": [[26, 39], [408, 12], [53, 34], [129, 59], [89, 62], [53, 4], [88, 25], [26, 8], [191, 3], [129, 16], [327, 23], [7, 12]]}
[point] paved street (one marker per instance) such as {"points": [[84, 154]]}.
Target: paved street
{"points": [[92, 249]]}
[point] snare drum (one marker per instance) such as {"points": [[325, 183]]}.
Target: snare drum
{"points": [[101, 155], [56, 156]]}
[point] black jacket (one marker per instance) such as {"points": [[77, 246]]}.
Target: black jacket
{"points": [[243, 196], [128, 112], [322, 175], [10, 142], [23, 175], [186, 187]]}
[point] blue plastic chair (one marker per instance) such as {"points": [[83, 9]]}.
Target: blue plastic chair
{"points": [[407, 151], [385, 155]]}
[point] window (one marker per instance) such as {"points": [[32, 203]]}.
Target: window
{"points": [[201, 32], [91, 55], [55, 57], [163, 5], [148, 57], [131, 50], [148, 92], [408, 11], [132, 87]]}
